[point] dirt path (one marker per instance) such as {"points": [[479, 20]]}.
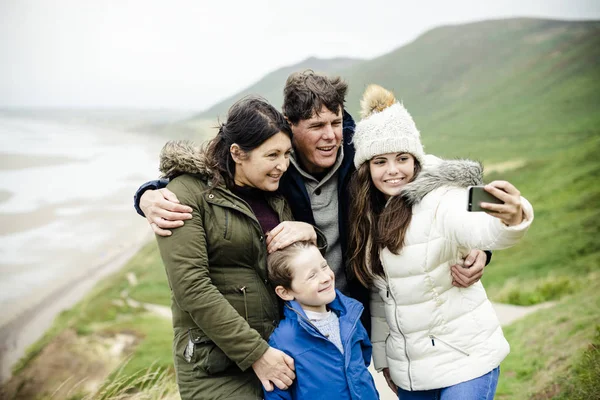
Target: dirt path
{"points": [[508, 313]]}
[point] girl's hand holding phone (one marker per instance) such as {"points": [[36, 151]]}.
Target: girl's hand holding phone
{"points": [[511, 212]]}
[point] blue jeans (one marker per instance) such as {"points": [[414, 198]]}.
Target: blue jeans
{"points": [[482, 388]]}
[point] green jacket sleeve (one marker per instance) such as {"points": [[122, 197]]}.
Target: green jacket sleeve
{"points": [[184, 255]]}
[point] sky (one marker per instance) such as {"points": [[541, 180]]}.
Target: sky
{"points": [[190, 54]]}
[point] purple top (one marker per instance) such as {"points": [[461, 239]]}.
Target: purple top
{"points": [[257, 200]]}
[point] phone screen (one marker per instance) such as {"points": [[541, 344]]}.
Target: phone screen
{"points": [[478, 195]]}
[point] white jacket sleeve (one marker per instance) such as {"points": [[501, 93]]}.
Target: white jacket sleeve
{"points": [[380, 330], [477, 230]]}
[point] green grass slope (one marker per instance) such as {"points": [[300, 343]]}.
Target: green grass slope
{"points": [[474, 89]]}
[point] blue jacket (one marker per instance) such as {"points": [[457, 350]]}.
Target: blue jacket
{"points": [[322, 371]]}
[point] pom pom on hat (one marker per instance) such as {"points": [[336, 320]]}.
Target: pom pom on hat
{"points": [[386, 127]]}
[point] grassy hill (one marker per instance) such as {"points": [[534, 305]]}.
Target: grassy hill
{"points": [[512, 93], [523, 96]]}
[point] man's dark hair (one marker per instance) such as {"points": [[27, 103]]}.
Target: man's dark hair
{"points": [[306, 92]]}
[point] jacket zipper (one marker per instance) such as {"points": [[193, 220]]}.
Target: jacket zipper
{"points": [[347, 354], [433, 338], [400, 330], [243, 290]]}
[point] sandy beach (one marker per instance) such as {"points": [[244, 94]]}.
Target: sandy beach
{"points": [[66, 219]]}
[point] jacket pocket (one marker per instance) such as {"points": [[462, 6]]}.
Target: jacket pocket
{"points": [[435, 339], [204, 354]]}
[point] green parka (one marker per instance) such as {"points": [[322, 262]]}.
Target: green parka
{"points": [[224, 309]]}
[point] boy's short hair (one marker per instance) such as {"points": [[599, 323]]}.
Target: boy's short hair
{"points": [[278, 263], [305, 93]]}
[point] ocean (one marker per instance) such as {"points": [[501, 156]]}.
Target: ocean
{"points": [[66, 190]]}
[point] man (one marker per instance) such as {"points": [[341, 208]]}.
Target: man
{"points": [[316, 183]]}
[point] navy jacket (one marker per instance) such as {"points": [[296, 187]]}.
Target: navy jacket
{"points": [[322, 371]]}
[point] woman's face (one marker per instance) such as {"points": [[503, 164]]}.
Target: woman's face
{"points": [[263, 167], [391, 171]]}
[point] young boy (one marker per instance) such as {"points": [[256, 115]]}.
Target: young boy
{"points": [[321, 329]]}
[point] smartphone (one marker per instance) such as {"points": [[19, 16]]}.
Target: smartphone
{"points": [[478, 195]]}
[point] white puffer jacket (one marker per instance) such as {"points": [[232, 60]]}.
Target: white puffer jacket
{"points": [[429, 333]]}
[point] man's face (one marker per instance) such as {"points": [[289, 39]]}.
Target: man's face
{"points": [[317, 140]]}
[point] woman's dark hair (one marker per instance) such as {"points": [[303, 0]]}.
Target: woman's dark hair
{"points": [[250, 122], [375, 225]]}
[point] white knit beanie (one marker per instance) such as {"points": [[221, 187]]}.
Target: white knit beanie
{"points": [[386, 127]]}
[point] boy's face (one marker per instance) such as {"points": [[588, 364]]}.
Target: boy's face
{"points": [[313, 283], [317, 140]]}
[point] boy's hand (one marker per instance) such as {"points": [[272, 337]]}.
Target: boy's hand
{"points": [[472, 270], [289, 232], [390, 382], [163, 211], [277, 367]]}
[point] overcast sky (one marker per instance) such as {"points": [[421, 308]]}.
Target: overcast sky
{"points": [[192, 53]]}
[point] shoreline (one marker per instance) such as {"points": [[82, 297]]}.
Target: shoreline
{"points": [[26, 327]]}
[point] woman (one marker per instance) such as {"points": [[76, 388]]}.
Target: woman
{"points": [[223, 307], [431, 340]]}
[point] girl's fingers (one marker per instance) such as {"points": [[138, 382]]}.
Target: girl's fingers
{"points": [[499, 188], [498, 208]]}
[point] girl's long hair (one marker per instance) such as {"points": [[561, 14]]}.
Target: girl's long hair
{"points": [[374, 225]]}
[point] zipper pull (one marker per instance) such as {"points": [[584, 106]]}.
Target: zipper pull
{"points": [[432, 341], [243, 290], [388, 292]]}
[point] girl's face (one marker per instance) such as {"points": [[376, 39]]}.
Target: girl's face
{"points": [[391, 171], [263, 167]]}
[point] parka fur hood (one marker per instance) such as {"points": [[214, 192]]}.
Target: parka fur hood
{"points": [[437, 173], [179, 157]]}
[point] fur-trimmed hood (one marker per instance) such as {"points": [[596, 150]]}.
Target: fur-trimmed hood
{"points": [[436, 173], [179, 157]]}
